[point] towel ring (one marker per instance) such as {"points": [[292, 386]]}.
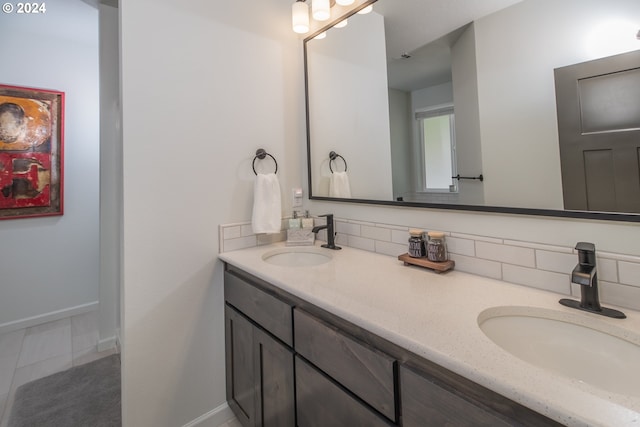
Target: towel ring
{"points": [[261, 154], [332, 156]]}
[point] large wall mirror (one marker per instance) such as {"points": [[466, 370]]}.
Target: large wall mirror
{"points": [[453, 104]]}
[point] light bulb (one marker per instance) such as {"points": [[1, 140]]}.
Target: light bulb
{"points": [[321, 10], [320, 36], [345, 2], [300, 17], [366, 10], [342, 24]]}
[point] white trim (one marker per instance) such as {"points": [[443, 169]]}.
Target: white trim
{"points": [[214, 418], [108, 343], [48, 317]]}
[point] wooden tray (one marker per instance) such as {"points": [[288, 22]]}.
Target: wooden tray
{"points": [[438, 267]]}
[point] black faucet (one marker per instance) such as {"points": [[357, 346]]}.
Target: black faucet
{"points": [[331, 242], [585, 275]]}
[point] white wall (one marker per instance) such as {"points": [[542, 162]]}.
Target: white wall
{"points": [[204, 84], [110, 177], [465, 98], [350, 107], [51, 264], [517, 50], [400, 125]]}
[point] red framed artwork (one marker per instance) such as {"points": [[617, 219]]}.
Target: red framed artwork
{"points": [[31, 152]]}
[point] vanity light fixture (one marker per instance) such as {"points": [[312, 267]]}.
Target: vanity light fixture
{"points": [[300, 17], [342, 24], [321, 10], [638, 35]]}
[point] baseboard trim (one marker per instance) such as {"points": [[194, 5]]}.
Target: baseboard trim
{"points": [[48, 317], [107, 344], [214, 418]]}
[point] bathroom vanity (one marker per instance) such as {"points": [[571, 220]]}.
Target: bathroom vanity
{"points": [[361, 340]]}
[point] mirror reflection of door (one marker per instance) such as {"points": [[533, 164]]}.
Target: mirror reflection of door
{"points": [[599, 128]]}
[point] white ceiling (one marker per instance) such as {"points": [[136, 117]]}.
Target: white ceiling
{"points": [[425, 29]]}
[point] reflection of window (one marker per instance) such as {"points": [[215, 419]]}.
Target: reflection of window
{"points": [[438, 147]]}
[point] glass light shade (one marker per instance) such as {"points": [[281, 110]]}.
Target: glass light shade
{"points": [[341, 24], [345, 2], [300, 17], [366, 10], [320, 36], [321, 10]]}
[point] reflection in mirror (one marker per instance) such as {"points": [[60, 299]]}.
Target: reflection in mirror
{"points": [[373, 84]]}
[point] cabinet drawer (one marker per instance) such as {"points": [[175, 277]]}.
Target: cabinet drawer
{"points": [[366, 372], [425, 403], [321, 403], [271, 313]]}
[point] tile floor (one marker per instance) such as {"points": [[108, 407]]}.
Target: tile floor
{"points": [[32, 353]]}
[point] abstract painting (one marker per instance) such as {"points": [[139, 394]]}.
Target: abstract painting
{"points": [[31, 152]]}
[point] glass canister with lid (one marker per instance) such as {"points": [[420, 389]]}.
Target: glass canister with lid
{"points": [[417, 248], [436, 247]]}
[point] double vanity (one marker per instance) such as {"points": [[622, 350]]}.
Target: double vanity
{"points": [[319, 337]]}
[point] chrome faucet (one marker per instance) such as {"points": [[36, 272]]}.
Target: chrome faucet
{"points": [[585, 274], [331, 242]]}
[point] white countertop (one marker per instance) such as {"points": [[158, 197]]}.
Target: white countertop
{"points": [[436, 316]]}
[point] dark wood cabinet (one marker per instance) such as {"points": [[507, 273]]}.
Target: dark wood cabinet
{"points": [[425, 403], [322, 403], [241, 383], [290, 363], [365, 371], [260, 378], [433, 396]]}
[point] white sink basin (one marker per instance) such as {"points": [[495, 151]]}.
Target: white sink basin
{"points": [[575, 346], [297, 257]]}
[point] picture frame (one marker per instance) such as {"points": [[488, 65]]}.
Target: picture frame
{"points": [[31, 152]]}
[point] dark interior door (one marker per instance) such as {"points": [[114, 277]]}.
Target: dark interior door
{"points": [[599, 128]]}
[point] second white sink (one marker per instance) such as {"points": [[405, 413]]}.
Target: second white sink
{"points": [[579, 347], [297, 256]]}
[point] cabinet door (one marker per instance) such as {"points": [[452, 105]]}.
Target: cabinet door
{"points": [[275, 402], [241, 380], [322, 403]]}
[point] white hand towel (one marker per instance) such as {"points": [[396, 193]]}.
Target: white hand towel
{"points": [[339, 185], [267, 208]]}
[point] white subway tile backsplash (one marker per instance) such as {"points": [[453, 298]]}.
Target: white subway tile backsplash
{"points": [[241, 243], [376, 233], [531, 264], [246, 230], [457, 245], [391, 249], [477, 266], [232, 232], [607, 269], [395, 227], [629, 273], [540, 246], [348, 228], [400, 236], [477, 238], [622, 295], [504, 253], [619, 257], [361, 243], [547, 280], [555, 261]]}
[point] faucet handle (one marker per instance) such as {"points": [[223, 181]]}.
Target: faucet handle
{"points": [[585, 247]]}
